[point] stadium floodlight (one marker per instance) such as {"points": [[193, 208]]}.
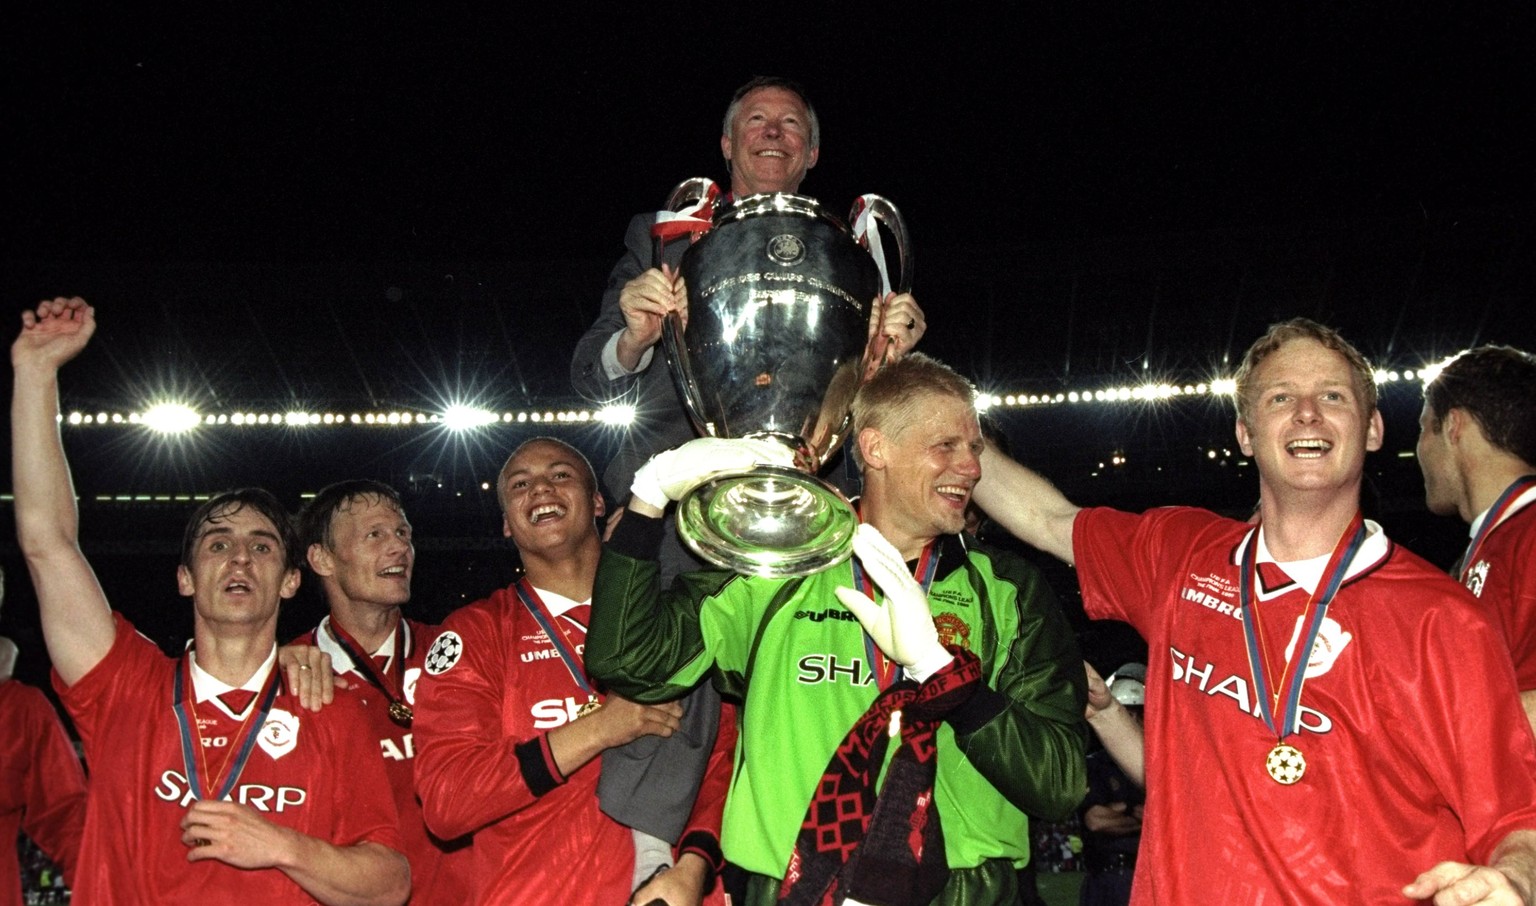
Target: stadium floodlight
{"points": [[171, 418], [460, 417], [619, 415]]}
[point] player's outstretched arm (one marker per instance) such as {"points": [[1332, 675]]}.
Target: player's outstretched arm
{"points": [[363, 874], [1510, 881], [77, 622], [1025, 504], [1116, 728]]}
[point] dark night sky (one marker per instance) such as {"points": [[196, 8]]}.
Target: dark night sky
{"points": [[364, 204], [299, 201], [261, 132]]}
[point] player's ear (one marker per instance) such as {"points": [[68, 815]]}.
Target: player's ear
{"points": [[320, 560], [872, 446], [1244, 440], [1374, 431]]}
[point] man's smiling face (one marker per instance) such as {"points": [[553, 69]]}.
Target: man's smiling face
{"points": [[549, 497], [769, 142], [1307, 425]]}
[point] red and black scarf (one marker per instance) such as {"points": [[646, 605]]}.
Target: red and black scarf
{"points": [[885, 850]]}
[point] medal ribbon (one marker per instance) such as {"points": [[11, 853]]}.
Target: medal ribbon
{"points": [[363, 663], [692, 221], [867, 231], [183, 701], [1292, 676], [561, 640], [927, 565], [1496, 514]]}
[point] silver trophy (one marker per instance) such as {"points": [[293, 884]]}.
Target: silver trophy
{"points": [[779, 294]]}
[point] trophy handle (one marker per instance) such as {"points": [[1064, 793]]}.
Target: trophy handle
{"points": [[869, 210], [676, 350], [690, 211], [690, 191]]}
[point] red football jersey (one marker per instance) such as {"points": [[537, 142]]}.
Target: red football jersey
{"points": [[439, 873], [1417, 749], [493, 687], [42, 789], [315, 773], [1503, 576]]}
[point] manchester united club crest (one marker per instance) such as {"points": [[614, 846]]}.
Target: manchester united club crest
{"points": [[953, 631], [1476, 576], [444, 653], [279, 734]]}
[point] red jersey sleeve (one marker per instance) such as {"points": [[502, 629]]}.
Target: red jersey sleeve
{"points": [[1479, 747], [1126, 560], [702, 835], [54, 815], [43, 776], [469, 771]]}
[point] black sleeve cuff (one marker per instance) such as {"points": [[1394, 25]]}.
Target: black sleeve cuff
{"points": [[537, 764], [706, 846], [983, 705], [638, 537]]}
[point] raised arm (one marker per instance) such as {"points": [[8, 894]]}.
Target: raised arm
{"points": [[77, 622], [1025, 504]]}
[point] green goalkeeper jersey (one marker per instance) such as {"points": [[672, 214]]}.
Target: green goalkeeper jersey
{"points": [[805, 672]]}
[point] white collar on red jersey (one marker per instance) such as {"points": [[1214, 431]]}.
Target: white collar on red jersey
{"points": [[557, 604], [1515, 506], [205, 685], [341, 662], [1307, 573]]}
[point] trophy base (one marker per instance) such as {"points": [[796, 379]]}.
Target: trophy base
{"points": [[771, 521]]}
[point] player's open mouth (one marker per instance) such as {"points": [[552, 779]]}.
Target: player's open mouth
{"points": [[955, 492], [238, 588], [1308, 448], [392, 571], [771, 152], [548, 511]]}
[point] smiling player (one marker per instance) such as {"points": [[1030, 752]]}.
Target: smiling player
{"points": [[1327, 713]]}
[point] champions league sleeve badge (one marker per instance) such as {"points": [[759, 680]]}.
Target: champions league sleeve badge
{"points": [[444, 653]]}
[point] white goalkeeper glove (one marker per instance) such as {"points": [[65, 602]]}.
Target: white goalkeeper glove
{"points": [[902, 627], [672, 473]]}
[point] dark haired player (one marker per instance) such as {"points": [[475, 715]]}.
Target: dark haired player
{"points": [[209, 782]]}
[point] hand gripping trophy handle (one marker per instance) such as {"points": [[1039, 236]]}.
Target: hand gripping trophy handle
{"points": [[868, 212], [778, 312], [691, 204]]}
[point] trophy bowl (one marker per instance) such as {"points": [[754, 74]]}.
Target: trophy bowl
{"points": [[779, 292]]}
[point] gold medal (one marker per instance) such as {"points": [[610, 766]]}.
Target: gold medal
{"points": [[401, 713], [591, 705], [1285, 764]]}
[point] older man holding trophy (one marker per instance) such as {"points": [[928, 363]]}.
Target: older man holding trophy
{"points": [[770, 138]]}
